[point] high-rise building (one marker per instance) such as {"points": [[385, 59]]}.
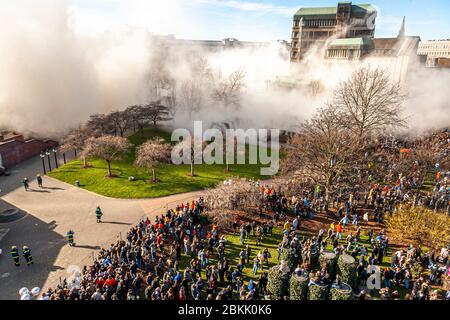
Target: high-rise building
{"points": [[315, 26]]}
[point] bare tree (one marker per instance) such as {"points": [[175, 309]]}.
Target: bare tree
{"points": [[372, 101], [75, 141], [324, 152], [195, 89], [195, 148], [156, 112], [170, 100], [99, 124], [152, 153], [231, 197], [138, 117], [191, 96], [121, 121], [108, 148], [159, 76], [229, 90]]}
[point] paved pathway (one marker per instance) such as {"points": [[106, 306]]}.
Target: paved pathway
{"points": [[54, 210]]}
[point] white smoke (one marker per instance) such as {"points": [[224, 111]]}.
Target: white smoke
{"points": [[53, 77]]}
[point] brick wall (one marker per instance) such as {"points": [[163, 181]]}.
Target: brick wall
{"points": [[15, 151]]}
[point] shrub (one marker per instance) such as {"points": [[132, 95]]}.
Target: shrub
{"points": [[419, 226], [277, 283], [318, 292], [347, 269], [345, 292], [298, 287]]}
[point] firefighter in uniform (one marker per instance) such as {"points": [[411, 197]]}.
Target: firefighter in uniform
{"points": [[26, 252], [70, 234], [98, 214], [15, 255]]}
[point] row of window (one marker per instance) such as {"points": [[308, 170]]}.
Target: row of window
{"points": [[316, 23], [437, 53], [313, 34], [430, 46]]}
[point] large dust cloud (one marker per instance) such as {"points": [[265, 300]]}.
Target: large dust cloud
{"points": [[53, 78]]}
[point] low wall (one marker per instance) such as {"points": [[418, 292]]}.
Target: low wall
{"points": [[15, 151]]}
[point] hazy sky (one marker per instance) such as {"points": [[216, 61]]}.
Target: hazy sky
{"points": [[247, 19]]}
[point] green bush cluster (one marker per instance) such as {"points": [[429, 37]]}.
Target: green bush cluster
{"points": [[347, 269], [298, 287], [345, 292], [277, 283], [318, 292]]}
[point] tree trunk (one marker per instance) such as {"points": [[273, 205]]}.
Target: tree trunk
{"points": [[109, 168], [75, 151], [154, 123], [85, 162], [192, 169], [153, 175], [327, 199]]}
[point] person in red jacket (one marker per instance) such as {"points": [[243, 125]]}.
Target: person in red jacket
{"points": [[339, 231]]}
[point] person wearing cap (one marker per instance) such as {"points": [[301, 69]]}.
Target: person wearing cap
{"points": [[70, 234], [26, 252], [98, 214], [15, 256]]}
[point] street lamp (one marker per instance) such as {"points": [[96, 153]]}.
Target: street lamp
{"points": [[56, 159], [49, 162], [42, 155]]}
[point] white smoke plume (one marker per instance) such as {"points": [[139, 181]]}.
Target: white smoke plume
{"points": [[52, 77]]}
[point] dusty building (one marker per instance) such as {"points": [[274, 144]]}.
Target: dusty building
{"points": [[314, 27], [435, 52], [213, 45]]}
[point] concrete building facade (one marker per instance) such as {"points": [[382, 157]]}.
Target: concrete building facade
{"points": [[434, 51], [315, 26]]}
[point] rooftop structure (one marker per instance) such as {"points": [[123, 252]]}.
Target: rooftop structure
{"points": [[315, 26]]}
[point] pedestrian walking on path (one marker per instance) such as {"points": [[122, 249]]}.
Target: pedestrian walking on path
{"points": [[26, 184], [26, 252], [39, 181], [70, 234], [98, 214], [15, 256]]}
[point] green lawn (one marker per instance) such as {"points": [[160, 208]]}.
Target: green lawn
{"points": [[173, 179], [233, 248]]}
